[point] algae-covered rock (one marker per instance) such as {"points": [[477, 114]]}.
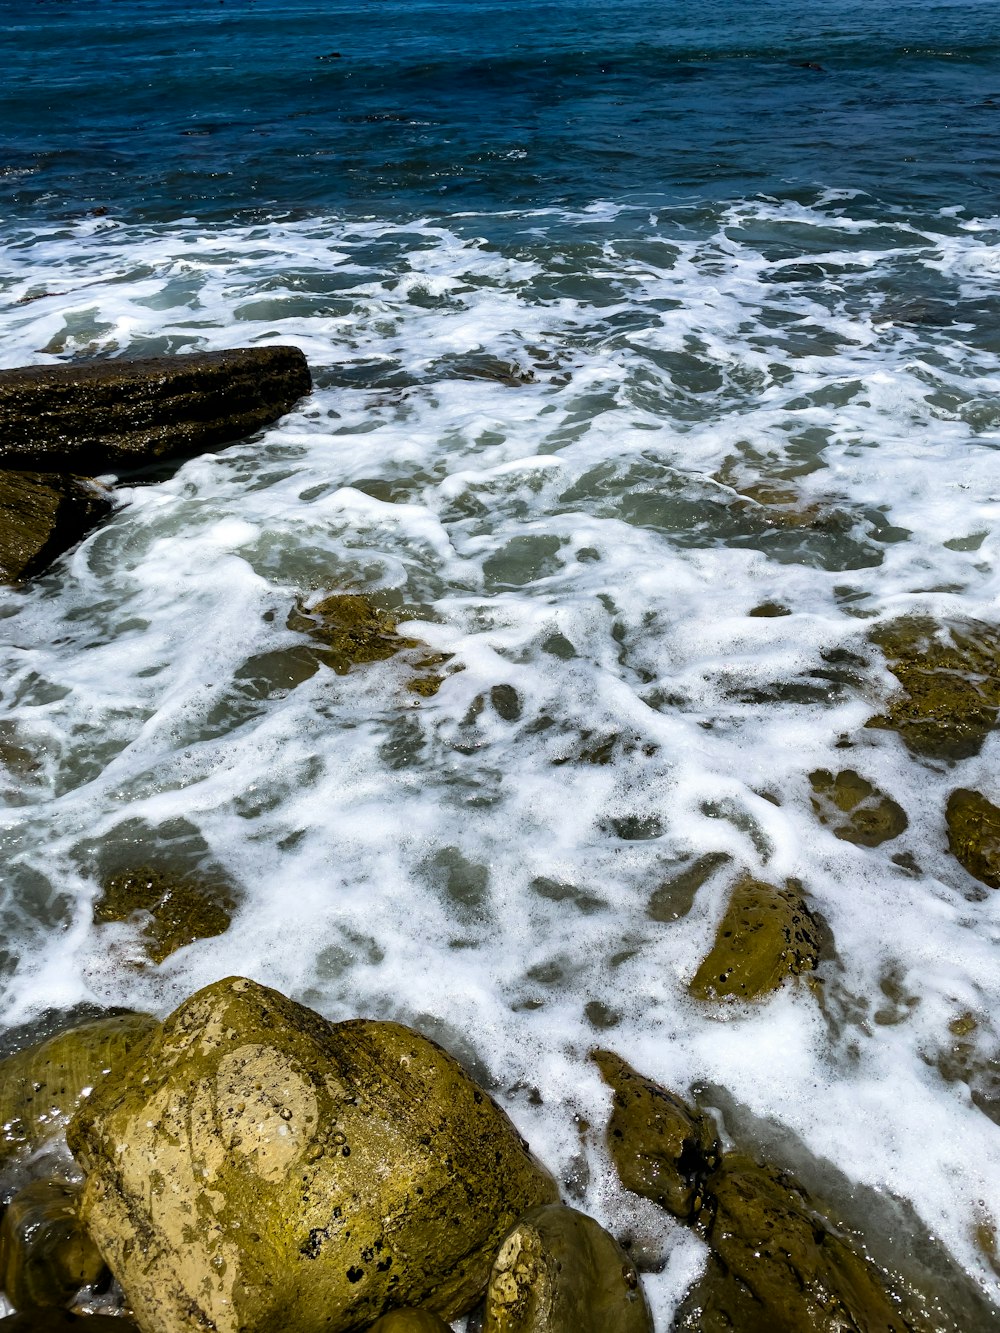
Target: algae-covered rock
{"points": [[352, 631], [854, 809], [779, 1266], [974, 835], [661, 1148], [41, 516], [42, 1085], [950, 678], [765, 936], [46, 1254], [410, 1321], [559, 1271], [262, 1169], [180, 908]]}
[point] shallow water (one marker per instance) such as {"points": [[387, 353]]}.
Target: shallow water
{"points": [[606, 360]]}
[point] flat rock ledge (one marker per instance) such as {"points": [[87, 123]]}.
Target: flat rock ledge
{"points": [[91, 417]]}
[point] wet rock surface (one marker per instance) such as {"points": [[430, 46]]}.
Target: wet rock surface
{"points": [[46, 1255], [410, 1321], [64, 1321], [950, 679], [41, 516], [106, 416], [559, 1271], [974, 835], [766, 935], [854, 809], [177, 909], [286, 1171]]}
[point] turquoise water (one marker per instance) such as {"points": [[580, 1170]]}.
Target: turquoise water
{"points": [[625, 321]]}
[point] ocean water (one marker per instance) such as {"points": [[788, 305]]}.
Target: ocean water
{"points": [[625, 320]]}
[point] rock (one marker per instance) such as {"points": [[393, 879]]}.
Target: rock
{"points": [[854, 809], [180, 908], [46, 1254], [352, 631], [256, 1167], [42, 1085], [765, 936], [951, 685], [41, 516], [410, 1321], [106, 416], [559, 1271], [661, 1148], [974, 835], [63, 1321]]}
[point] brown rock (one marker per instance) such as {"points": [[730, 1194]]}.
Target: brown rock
{"points": [[974, 835], [41, 516]]}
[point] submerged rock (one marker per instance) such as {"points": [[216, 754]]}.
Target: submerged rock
{"points": [[42, 1085], [180, 908], [41, 516], [950, 677], [974, 835], [559, 1271], [410, 1321], [46, 1254], [257, 1167], [101, 416], [661, 1148], [64, 1321], [765, 936], [854, 809]]}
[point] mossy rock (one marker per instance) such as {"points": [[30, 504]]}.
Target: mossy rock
{"points": [[42, 1085], [766, 935], [854, 809], [974, 835], [258, 1169], [43, 515], [559, 1271], [950, 678], [46, 1254], [353, 631], [661, 1148], [180, 908], [410, 1321]]}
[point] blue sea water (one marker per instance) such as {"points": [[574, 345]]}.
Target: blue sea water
{"points": [[625, 321]]}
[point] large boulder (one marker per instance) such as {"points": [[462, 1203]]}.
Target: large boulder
{"points": [[257, 1168], [43, 515], [106, 416]]}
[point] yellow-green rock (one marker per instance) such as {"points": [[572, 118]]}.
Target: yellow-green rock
{"points": [[559, 1271], [180, 908], [660, 1147], [46, 1254], [258, 1169], [41, 1086], [854, 809], [974, 835], [765, 936], [410, 1321], [950, 679]]}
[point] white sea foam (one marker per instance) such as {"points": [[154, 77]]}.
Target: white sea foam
{"points": [[593, 538]]}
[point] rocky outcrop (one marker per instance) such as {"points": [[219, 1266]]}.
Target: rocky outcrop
{"points": [[176, 909], [854, 809], [766, 935], [43, 515], [256, 1167], [107, 416], [559, 1271], [974, 835]]}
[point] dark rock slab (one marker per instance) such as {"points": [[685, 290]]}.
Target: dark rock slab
{"points": [[107, 416], [42, 515]]}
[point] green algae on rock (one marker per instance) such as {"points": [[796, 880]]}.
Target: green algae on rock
{"points": [[854, 809], [42, 1085], [180, 908], [765, 936], [41, 516], [410, 1320], [259, 1168], [559, 1271], [950, 678], [46, 1254], [974, 835], [661, 1148], [352, 631]]}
